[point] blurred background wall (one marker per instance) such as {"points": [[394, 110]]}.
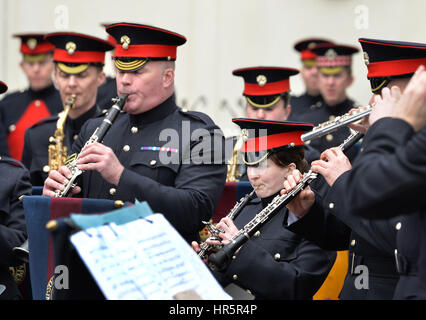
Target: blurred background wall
{"points": [[222, 35]]}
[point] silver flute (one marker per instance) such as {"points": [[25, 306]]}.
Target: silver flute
{"points": [[97, 136], [221, 258], [332, 125]]}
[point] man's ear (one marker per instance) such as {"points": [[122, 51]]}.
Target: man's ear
{"points": [[288, 111], [101, 78], [168, 77]]}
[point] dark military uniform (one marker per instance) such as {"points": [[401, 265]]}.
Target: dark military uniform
{"points": [[276, 263], [36, 156], [370, 244], [14, 182], [20, 110], [388, 178], [106, 92], [392, 161], [172, 183], [300, 105]]}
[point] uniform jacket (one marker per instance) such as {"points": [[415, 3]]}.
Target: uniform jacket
{"points": [[389, 179], [20, 110], [14, 182], [370, 243], [36, 156], [106, 92], [173, 180], [302, 104], [276, 263]]}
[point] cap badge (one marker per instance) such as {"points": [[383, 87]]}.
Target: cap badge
{"points": [[261, 80], [70, 47], [311, 45], [244, 134], [32, 43], [125, 41], [366, 59], [331, 54]]}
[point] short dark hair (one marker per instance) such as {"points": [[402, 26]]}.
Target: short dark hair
{"points": [[284, 156]]}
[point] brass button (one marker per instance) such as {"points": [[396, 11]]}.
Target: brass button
{"points": [[134, 130], [235, 277], [126, 148], [46, 168], [12, 128], [329, 137], [234, 257], [112, 191], [308, 142], [277, 256], [249, 292], [353, 242], [75, 137], [331, 205], [184, 110], [292, 144], [37, 103], [153, 162], [257, 233], [398, 226]]}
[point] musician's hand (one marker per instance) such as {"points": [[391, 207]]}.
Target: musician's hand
{"points": [[196, 247], [331, 165], [101, 158], [363, 125], [301, 204], [411, 107], [229, 228], [385, 103], [57, 181]]}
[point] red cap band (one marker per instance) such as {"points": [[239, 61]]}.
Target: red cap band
{"points": [[273, 141], [39, 49], [253, 89], [79, 56], [146, 51], [394, 67], [308, 55]]}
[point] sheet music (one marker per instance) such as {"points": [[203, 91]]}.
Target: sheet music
{"points": [[144, 259]]}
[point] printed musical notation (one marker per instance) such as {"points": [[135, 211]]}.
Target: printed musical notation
{"points": [[144, 259]]}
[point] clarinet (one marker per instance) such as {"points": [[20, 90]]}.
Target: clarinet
{"points": [[97, 136], [350, 141], [205, 248], [221, 258]]}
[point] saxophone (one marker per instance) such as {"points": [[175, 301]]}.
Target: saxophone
{"points": [[233, 174], [57, 150]]}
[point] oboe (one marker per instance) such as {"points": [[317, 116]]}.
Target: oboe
{"points": [[205, 248], [221, 258], [97, 136], [329, 126]]}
